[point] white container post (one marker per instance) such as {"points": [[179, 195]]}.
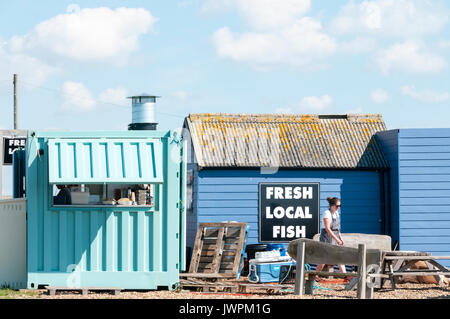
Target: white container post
{"points": [[13, 243]]}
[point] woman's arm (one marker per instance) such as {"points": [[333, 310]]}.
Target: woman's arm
{"points": [[327, 225], [340, 237]]}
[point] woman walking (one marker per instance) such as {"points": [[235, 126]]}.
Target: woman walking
{"points": [[331, 231]]}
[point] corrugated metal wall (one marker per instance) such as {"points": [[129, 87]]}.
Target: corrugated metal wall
{"points": [[131, 248], [424, 187], [232, 195]]}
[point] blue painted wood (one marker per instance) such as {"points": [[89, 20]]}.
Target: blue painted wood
{"points": [[424, 190], [423, 156], [390, 146], [232, 195]]}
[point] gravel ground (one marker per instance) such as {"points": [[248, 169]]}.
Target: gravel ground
{"points": [[336, 291]]}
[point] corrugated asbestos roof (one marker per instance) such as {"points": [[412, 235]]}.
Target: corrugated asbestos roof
{"points": [[287, 141]]}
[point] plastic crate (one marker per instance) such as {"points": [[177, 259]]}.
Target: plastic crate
{"points": [[263, 272]]}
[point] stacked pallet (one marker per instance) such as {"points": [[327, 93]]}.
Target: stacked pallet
{"points": [[218, 253]]}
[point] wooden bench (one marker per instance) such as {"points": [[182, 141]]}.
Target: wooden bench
{"points": [[314, 252]]}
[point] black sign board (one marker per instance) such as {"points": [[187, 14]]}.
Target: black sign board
{"points": [[288, 211], [9, 146]]}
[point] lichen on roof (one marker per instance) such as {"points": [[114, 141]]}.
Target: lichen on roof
{"points": [[293, 140]]}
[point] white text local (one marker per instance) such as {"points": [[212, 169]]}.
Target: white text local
{"points": [[289, 212], [289, 231], [289, 192]]}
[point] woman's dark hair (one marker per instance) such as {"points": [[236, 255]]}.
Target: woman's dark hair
{"points": [[332, 201]]}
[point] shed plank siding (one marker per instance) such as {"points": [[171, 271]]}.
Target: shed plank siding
{"points": [[424, 190], [191, 215], [232, 195]]}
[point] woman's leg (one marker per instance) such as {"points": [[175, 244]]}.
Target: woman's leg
{"points": [[342, 268], [319, 268]]}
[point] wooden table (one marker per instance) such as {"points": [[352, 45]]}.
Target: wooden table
{"points": [[391, 266]]}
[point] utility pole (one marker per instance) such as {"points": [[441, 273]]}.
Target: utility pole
{"points": [[15, 102]]}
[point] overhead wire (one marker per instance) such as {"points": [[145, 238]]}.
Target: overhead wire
{"points": [[59, 91]]}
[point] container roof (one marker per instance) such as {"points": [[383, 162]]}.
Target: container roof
{"points": [[287, 141]]}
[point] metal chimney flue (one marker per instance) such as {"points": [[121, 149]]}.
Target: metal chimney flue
{"points": [[143, 112]]}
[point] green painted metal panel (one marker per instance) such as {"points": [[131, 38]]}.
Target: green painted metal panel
{"points": [[108, 160], [128, 247]]}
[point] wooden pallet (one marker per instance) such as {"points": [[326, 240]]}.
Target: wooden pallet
{"points": [[84, 290], [218, 250], [209, 286]]}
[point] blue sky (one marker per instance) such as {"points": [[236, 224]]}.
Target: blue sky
{"points": [[78, 60]]}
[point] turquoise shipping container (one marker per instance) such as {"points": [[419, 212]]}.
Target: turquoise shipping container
{"points": [[131, 247]]}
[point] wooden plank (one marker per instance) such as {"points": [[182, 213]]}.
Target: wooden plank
{"points": [[361, 292], [207, 275], [219, 249], [407, 266], [309, 286], [206, 259], [438, 266], [227, 266], [334, 274], [439, 279], [233, 232], [228, 241], [421, 273], [223, 224], [197, 250], [300, 270], [213, 232], [240, 247], [231, 247], [417, 257], [210, 233], [324, 253]]}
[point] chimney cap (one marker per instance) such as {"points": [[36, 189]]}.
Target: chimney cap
{"points": [[143, 95]]}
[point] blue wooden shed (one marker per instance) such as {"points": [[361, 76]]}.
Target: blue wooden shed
{"points": [[94, 244], [232, 154], [420, 191]]}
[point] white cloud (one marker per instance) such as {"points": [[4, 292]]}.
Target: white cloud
{"points": [[181, 95], [315, 103], [426, 95], [279, 33], [392, 18], [114, 96], [298, 44], [358, 110], [444, 44], [282, 110], [379, 96], [29, 68], [76, 97], [308, 104], [358, 45], [91, 34], [409, 57], [263, 14]]}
